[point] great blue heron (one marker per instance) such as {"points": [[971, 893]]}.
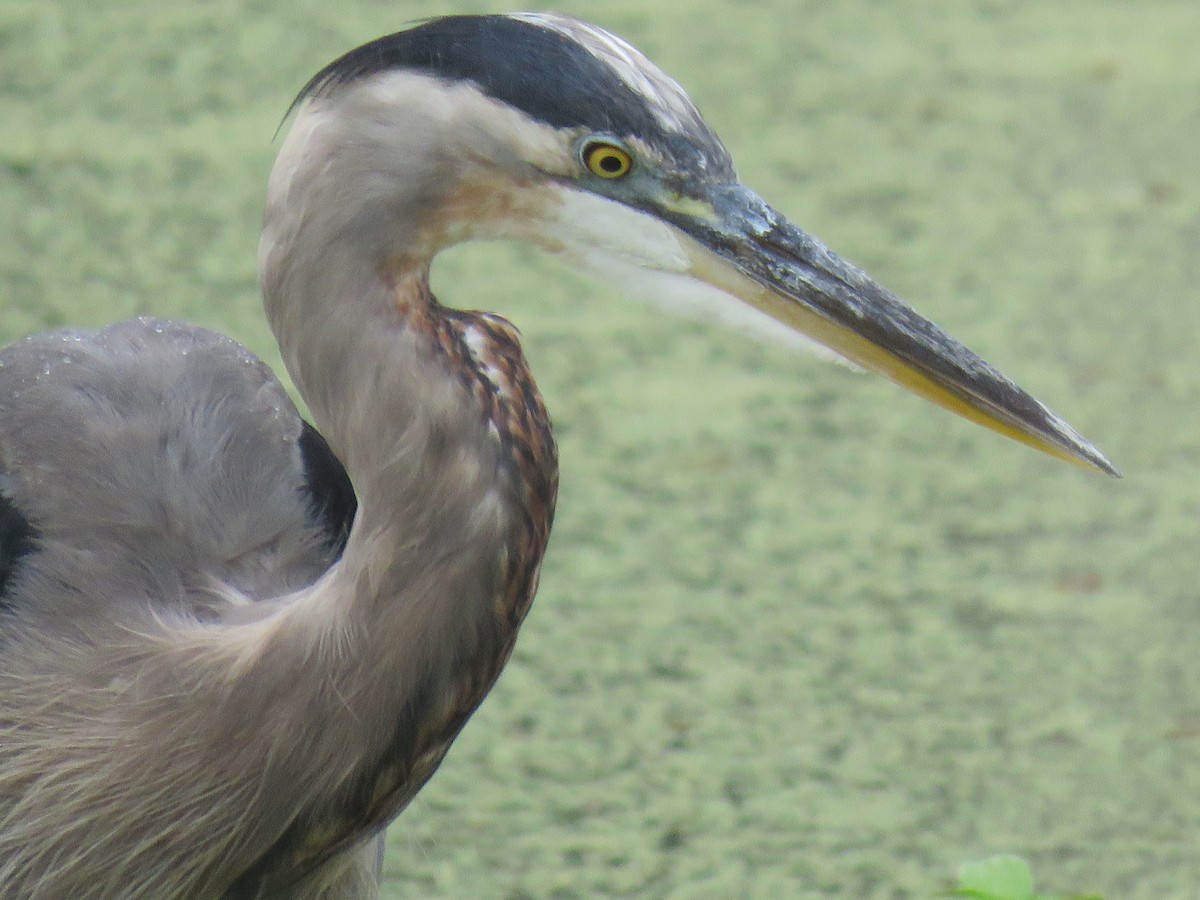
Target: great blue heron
{"points": [[220, 676]]}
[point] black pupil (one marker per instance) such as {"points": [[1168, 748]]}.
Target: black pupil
{"points": [[610, 162]]}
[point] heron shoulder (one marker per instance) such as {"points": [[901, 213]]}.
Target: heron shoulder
{"points": [[168, 453]]}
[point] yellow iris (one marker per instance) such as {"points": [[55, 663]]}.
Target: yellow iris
{"points": [[607, 160]]}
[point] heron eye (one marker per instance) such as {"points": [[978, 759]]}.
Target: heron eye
{"points": [[607, 160]]}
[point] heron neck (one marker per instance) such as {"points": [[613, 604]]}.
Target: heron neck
{"points": [[442, 559], [360, 343], [416, 620]]}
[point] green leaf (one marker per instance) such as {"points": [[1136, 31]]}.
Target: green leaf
{"points": [[1004, 877]]}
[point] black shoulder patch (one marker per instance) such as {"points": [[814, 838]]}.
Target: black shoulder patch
{"points": [[18, 538], [535, 69], [330, 492]]}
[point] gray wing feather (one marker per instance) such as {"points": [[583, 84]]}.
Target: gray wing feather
{"points": [[155, 459]]}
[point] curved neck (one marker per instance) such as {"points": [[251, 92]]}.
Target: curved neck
{"points": [[344, 260], [455, 475]]}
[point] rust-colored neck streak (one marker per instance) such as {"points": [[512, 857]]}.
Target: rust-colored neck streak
{"points": [[483, 352]]}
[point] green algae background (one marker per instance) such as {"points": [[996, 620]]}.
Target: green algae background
{"points": [[799, 635]]}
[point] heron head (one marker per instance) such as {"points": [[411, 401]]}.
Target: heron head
{"points": [[544, 128]]}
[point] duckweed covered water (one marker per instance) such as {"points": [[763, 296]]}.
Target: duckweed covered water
{"points": [[798, 635]]}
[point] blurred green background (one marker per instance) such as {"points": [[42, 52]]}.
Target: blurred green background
{"points": [[799, 635]]}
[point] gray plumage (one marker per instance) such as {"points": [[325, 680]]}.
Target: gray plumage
{"points": [[199, 697], [161, 463], [139, 445]]}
